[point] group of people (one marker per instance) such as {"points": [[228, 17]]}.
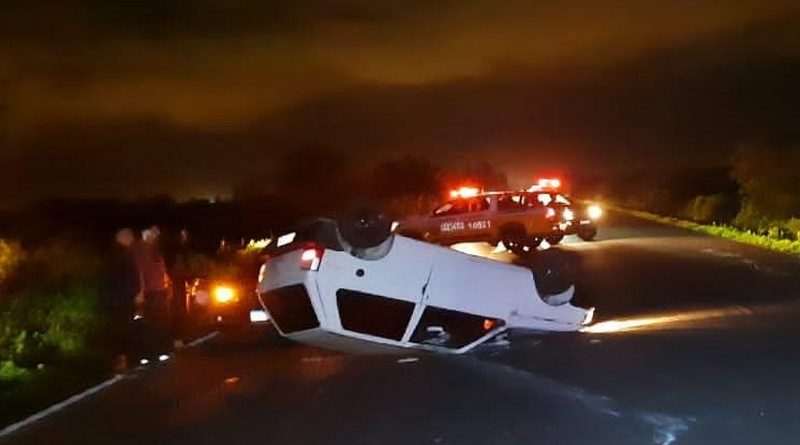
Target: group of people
{"points": [[145, 304]]}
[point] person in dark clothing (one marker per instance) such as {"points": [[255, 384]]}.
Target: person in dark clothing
{"points": [[123, 286], [180, 271], [155, 339]]}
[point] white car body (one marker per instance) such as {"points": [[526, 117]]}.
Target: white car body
{"points": [[417, 295]]}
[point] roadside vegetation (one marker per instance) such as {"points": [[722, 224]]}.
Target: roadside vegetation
{"points": [[49, 319], [790, 246], [756, 202]]}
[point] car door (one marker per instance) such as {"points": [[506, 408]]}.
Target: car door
{"points": [[375, 298], [477, 220], [467, 299], [447, 221]]}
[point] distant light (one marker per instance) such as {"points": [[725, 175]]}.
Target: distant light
{"points": [[258, 244], [395, 224], [595, 211], [144, 361], [163, 357], [286, 239], [551, 213], [569, 215]]}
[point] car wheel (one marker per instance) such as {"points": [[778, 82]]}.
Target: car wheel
{"points": [[365, 228], [514, 239], [554, 272], [555, 238], [587, 233]]}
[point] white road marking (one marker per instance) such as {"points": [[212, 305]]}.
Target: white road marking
{"points": [[203, 339], [59, 406], [78, 397], [665, 428]]}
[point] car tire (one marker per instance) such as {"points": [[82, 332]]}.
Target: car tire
{"points": [[364, 228], [514, 239], [555, 238], [554, 272], [587, 233]]}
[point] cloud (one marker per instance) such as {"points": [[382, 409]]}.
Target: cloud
{"points": [[204, 63], [109, 98]]}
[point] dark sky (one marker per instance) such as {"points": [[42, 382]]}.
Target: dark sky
{"points": [[122, 98]]}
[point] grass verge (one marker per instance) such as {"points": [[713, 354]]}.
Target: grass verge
{"points": [[722, 231], [40, 388]]}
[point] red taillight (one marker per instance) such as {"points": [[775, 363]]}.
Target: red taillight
{"points": [[311, 257]]}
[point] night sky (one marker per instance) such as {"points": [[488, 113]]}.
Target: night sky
{"points": [[123, 98]]}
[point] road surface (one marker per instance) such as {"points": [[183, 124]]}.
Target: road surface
{"points": [[696, 342]]}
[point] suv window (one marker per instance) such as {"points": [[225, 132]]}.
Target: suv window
{"points": [[480, 204], [535, 200], [454, 207], [506, 203], [544, 198]]}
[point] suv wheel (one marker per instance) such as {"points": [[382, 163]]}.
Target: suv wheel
{"points": [[513, 239], [587, 233], [534, 241], [555, 238]]}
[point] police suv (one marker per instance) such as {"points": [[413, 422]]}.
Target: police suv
{"points": [[516, 218]]}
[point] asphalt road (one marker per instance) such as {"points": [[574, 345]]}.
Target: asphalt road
{"points": [[695, 343]]}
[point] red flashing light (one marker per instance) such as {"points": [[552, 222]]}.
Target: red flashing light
{"points": [[311, 258], [550, 183], [464, 192]]}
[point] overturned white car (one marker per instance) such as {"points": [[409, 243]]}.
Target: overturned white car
{"points": [[323, 290]]}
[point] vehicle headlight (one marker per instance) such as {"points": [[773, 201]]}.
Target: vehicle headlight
{"points": [[224, 294], [569, 215], [595, 211]]}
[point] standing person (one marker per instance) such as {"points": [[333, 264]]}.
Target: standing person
{"points": [[181, 273], [123, 286], [156, 298]]}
